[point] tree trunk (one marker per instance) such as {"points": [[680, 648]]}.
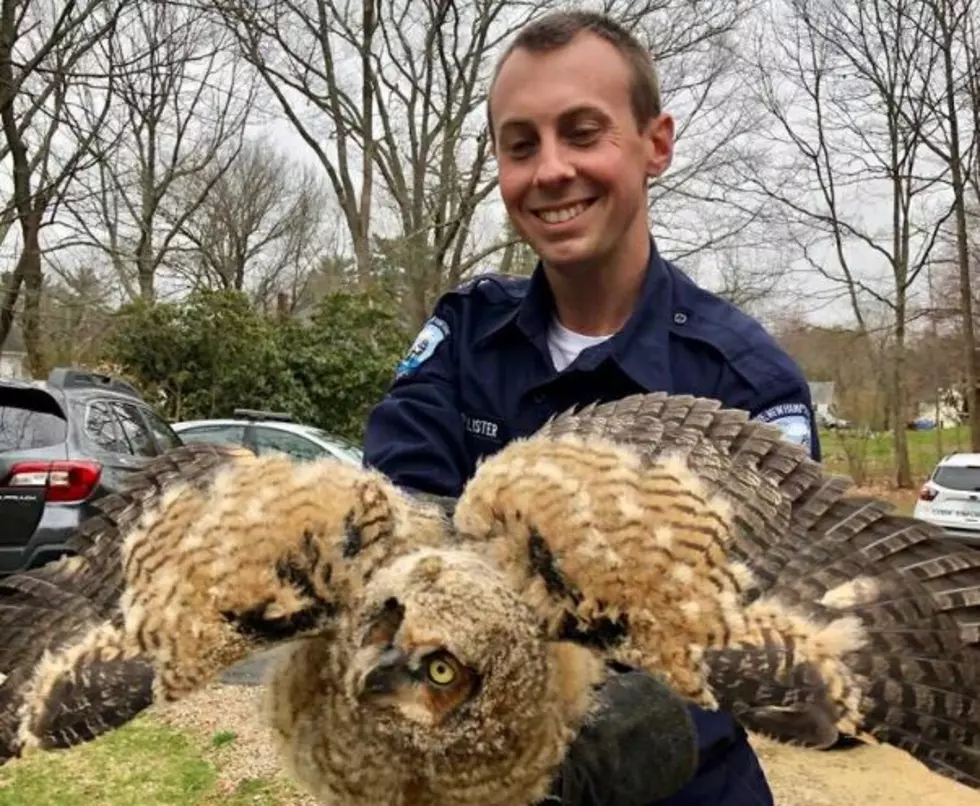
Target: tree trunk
{"points": [[29, 266], [362, 251], [903, 469], [9, 304], [971, 354], [31, 320], [362, 246], [971, 357], [144, 261]]}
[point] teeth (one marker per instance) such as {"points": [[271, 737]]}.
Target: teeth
{"points": [[564, 214]]}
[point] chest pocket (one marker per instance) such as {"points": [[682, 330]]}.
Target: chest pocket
{"points": [[484, 435]]}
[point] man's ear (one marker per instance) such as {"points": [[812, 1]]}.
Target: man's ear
{"points": [[659, 135]]}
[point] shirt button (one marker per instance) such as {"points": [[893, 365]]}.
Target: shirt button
{"points": [[680, 318]]}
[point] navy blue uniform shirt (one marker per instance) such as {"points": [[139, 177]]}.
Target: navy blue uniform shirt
{"points": [[480, 374]]}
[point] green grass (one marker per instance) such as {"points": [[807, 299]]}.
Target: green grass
{"points": [[223, 737], [140, 764], [876, 452]]}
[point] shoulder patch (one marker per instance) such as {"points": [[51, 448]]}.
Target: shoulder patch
{"points": [[432, 333], [794, 419]]}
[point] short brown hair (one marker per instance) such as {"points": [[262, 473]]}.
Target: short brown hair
{"points": [[559, 28]]}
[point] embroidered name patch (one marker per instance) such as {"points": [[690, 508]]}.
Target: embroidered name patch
{"points": [[432, 333], [793, 419], [481, 427]]}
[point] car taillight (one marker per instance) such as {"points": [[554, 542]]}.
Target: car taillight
{"points": [[63, 480], [927, 493]]}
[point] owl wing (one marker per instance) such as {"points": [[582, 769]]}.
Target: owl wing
{"points": [[199, 564], [45, 611], [682, 537]]}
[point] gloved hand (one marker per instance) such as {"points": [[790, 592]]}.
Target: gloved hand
{"points": [[641, 745]]}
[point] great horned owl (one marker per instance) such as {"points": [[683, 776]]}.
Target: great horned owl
{"points": [[451, 652], [443, 679]]}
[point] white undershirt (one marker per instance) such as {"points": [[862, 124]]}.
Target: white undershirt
{"points": [[565, 345]]}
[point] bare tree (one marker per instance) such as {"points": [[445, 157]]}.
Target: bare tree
{"points": [[180, 111], [968, 269], [48, 73], [698, 208], [390, 96], [258, 227], [841, 82], [970, 96], [948, 305], [751, 278], [77, 314], [333, 273], [953, 136], [395, 85]]}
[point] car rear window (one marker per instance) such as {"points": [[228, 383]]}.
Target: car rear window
{"points": [[29, 419], [959, 478]]}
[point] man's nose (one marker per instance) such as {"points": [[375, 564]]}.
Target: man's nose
{"points": [[553, 165]]}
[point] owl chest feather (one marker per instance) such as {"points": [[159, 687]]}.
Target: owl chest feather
{"points": [[345, 759]]}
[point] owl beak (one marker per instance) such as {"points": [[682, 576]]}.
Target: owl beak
{"points": [[388, 674]]}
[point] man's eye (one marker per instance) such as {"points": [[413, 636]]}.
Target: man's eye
{"points": [[584, 135], [520, 148]]}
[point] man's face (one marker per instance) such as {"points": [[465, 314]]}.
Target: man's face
{"points": [[573, 164]]}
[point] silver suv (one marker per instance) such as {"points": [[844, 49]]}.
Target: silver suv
{"points": [[951, 496]]}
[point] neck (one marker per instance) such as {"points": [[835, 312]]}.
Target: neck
{"points": [[598, 300]]}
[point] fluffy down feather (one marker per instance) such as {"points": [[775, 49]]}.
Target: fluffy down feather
{"points": [[46, 610], [894, 604], [498, 740], [435, 657]]}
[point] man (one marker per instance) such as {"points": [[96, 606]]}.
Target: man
{"points": [[578, 132]]}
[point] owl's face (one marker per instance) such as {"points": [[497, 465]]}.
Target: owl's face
{"points": [[446, 656], [419, 677]]}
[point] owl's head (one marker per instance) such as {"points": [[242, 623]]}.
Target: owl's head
{"points": [[450, 663]]}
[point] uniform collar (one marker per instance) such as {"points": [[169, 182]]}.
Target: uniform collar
{"points": [[639, 348]]}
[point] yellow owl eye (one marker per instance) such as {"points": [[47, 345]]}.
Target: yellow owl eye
{"points": [[440, 671]]}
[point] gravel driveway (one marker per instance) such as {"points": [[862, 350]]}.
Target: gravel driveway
{"points": [[249, 672], [882, 775]]}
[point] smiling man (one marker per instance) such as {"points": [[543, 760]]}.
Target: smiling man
{"points": [[574, 163], [579, 133]]}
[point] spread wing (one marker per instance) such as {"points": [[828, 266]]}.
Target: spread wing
{"points": [[46, 610], [206, 558], [683, 537]]}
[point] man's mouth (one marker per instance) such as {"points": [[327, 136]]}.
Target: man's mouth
{"points": [[559, 215]]}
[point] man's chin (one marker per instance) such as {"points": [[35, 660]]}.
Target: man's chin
{"points": [[570, 258]]}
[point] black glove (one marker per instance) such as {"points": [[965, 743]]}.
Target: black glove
{"points": [[640, 746]]}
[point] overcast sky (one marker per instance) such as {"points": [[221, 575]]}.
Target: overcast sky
{"points": [[682, 221]]}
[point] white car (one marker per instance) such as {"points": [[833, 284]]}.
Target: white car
{"points": [[267, 431], [951, 496]]}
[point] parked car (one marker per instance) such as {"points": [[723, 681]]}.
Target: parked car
{"points": [[951, 496], [266, 431], [829, 420], [64, 443]]}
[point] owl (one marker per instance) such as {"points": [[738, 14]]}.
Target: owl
{"points": [[439, 650]]}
